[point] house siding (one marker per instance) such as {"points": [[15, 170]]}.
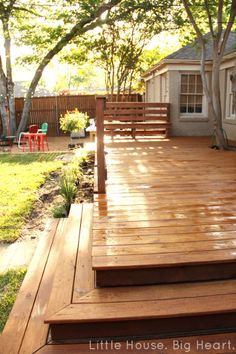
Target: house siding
{"points": [[229, 125], [165, 87]]}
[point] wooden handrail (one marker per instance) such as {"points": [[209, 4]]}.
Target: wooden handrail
{"points": [[101, 166]]}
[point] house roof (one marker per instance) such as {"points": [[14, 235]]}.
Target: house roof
{"points": [[192, 52]]}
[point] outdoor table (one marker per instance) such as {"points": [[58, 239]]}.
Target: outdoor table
{"points": [[33, 138]]}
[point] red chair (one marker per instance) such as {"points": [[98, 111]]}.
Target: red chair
{"points": [[30, 137]]}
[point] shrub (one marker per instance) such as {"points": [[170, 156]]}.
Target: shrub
{"points": [[68, 189], [73, 121], [59, 211]]}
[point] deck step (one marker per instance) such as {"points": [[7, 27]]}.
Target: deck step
{"points": [[125, 270], [148, 311]]}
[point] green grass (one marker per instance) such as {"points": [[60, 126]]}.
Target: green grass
{"points": [[10, 283], [20, 177]]}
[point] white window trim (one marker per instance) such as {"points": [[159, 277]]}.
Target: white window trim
{"points": [[203, 116], [229, 115]]}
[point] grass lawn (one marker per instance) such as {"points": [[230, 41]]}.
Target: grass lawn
{"points": [[10, 283], [20, 176]]}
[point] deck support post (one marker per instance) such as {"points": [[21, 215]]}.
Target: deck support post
{"points": [[101, 167]]}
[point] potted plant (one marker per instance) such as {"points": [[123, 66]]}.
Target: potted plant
{"points": [[74, 122]]}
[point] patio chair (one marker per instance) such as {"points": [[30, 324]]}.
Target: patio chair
{"points": [[44, 128], [27, 138], [43, 138]]}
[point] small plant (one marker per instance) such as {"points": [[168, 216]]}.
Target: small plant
{"points": [[59, 211], [68, 189], [73, 121]]}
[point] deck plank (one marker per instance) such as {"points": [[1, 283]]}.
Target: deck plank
{"points": [[84, 275], [150, 309], [37, 330], [64, 276], [17, 323]]}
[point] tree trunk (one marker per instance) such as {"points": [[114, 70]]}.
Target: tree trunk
{"points": [[220, 138], [3, 100], [10, 83]]}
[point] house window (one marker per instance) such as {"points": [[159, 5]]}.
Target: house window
{"points": [[191, 94], [230, 111]]}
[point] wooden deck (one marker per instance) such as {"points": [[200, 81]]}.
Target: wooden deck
{"points": [[168, 214], [163, 244]]}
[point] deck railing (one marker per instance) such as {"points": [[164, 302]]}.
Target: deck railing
{"points": [[127, 118]]}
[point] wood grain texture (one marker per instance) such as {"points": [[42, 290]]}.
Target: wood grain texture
{"points": [[37, 330], [168, 203], [17, 323], [84, 275], [64, 276]]}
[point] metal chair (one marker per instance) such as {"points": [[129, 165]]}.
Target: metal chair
{"points": [[27, 137], [43, 136]]}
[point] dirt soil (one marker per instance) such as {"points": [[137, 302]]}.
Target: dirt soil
{"points": [[20, 252]]}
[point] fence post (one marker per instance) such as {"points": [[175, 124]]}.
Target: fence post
{"points": [[101, 168]]}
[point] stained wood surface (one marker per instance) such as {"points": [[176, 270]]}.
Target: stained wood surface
{"points": [[37, 330], [136, 119], [168, 202], [17, 323], [84, 275], [150, 309], [64, 276]]}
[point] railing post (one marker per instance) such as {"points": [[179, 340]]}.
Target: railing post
{"points": [[101, 167]]}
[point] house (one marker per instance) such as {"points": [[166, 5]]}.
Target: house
{"points": [[176, 79]]}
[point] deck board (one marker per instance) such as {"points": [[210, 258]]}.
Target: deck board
{"points": [[166, 202]]}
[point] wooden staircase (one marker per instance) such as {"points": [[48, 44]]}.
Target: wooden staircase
{"points": [[80, 312], [183, 317]]}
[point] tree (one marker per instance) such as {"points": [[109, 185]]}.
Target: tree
{"points": [[120, 43], [220, 16], [73, 18]]}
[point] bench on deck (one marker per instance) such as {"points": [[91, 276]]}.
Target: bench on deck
{"points": [[136, 119]]}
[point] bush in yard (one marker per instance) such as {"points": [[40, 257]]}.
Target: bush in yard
{"points": [[73, 121], [68, 189]]}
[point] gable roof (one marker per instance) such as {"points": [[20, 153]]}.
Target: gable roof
{"points": [[192, 51]]}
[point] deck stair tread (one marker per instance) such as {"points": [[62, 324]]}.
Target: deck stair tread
{"points": [[160, 301]]}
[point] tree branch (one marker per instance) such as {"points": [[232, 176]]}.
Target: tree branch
{"points": [[220, 18], [228, 28], [192, 20], [209, 17], [19, 8]]}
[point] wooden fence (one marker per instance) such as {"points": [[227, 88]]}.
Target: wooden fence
{"points": [[127, 118], [49, 109]]}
